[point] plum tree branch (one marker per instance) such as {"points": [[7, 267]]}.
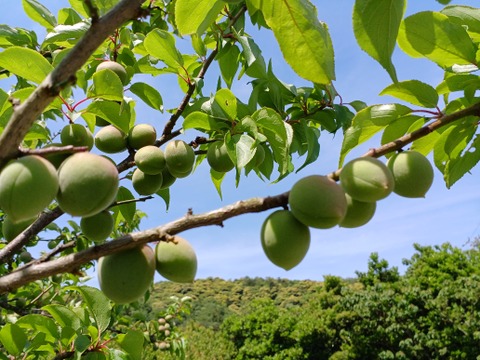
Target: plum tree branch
{"points": [[38, 270], [473, 110], [25, 114]]}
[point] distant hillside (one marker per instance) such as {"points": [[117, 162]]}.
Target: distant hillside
{"points": [[214, 298]]}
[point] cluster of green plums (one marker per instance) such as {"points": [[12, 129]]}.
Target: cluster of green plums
{"points": [[127, 275], [319, 202]]}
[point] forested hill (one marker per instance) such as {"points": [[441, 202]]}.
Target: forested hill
{"points": [[430, 312], [234, 294]]}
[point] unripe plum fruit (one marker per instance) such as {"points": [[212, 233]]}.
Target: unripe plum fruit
{"points": [[367, 179], [145, 184], [285, 240], [180, 158], [76, 135], [358, 213], [27, 186], [25, 257], [116, 68], [168, 178], [217, 157], [88, 184], [412, 172], [150, 159], [56, 158], [141, 135], [126, 276], [97, 227], [176, 260], [318, 201], [12, 229], [110, 140]]}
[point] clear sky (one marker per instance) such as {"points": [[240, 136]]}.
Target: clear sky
{"points": [[445, 215]]}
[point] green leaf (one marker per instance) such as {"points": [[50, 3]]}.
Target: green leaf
{"points": [[63, 316], [16, 36], [40, 324], [13, 338], [98, 304], [204, 122], [467, 16], [165, 195], [242, 147], [432, 35], [309, 138], [228, 63], [375, 25], [113, 112], [161, 45], [132, 343], [106, 85], [304, 41], [148, 94], [217, 179], [66, 35], [398, 128], [195, 16], [26, 63], [367, 123], [225, 104], [68, 16], [39, 13], [255, 63], [82, 342], [279, 135], [413, 91], [128, 210], [458, 82], [459, 166]]}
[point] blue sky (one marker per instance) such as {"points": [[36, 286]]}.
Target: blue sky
{"points": [[234, 251]]}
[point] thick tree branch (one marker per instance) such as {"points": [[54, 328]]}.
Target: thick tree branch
{"points": [[63, 75], [68, 263]]}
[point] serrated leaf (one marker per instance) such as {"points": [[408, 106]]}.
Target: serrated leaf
{"points": [[148, 94], [63, 316], [66, 35], [224, 104], [458, 82], [42, 324], [451, 143], [255, 63], [228, 61], [39, 13], [413, 91], [367, 123], [161, 45], [433, 36], [98, 304], [13, 338], [375, 25], [26, 63], [82, 343], [68, 16], [465, 15], [459, 166], [304, 41], [16, 36], [203, 122], [243, 148], [279, 135], [196, 22], [132, 343], [113, 112], [106, 85]]}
